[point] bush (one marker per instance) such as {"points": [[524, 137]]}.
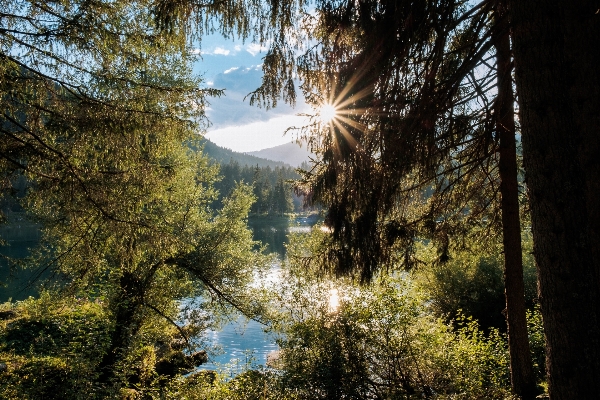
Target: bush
{"points": [[471, 282], [537, 343], [381, 343], [50, 349]]}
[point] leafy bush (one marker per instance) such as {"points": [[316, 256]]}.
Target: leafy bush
{"points": [[50, 348], [537, 343], [209, 385], [471, 282], [381, 343]]}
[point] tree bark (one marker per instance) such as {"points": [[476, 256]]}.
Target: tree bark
{"points": [[126, 327], [556, 53], [521, 368], [126, 302]]}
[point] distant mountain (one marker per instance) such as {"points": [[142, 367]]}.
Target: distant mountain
{"points": [[290, 153], [224, 156]]}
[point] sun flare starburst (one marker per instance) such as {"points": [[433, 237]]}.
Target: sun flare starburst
{"points": [[327, 113], [341, 113]]}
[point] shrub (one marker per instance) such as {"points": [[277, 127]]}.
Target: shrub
{"points": [[50, 349], [381, 343], [471, 282]]}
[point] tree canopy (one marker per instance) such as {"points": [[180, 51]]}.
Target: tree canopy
{"points": [[100, 109], [100, 115]]}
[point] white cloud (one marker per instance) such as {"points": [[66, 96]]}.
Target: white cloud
{"points": [[256, 135], [221, 51], [255, 48], [217, 51], [241, 127], [237, 48]]}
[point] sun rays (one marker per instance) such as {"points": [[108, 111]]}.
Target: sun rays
{"points": [[340, 112], [336, 118]]}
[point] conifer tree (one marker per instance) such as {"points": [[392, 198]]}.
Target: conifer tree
{"points": [[418, 145], [556, 48]]}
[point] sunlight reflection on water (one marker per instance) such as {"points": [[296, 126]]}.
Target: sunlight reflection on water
{"points": [[243, 343], [334, 300], [299, 229]]}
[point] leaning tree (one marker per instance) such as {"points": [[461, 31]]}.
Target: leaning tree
{"points": [[100, 113]]}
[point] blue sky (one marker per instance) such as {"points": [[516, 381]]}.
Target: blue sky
{"points": [[236, 67]]}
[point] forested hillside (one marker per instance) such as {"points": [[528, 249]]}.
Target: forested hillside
{"points": [[225, 156], [291, 153], [271, 180], [272, 187]]}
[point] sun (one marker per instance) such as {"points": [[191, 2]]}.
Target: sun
{"points": [[327, 112], [334, 301]]}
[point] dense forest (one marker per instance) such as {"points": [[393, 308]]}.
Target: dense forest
{"points": [[456, 165], [271, 181], [272, 188], [225, 156]]}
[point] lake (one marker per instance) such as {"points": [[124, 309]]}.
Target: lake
{"points": [[244, 342], [20, 235], [241, 342]]}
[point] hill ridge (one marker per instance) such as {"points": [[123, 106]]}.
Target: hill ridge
{"points": [[223, 155]]}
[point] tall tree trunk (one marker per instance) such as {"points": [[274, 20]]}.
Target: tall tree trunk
{"points": [[556, 53], [127, 303], [521, 368], [126, 327]]}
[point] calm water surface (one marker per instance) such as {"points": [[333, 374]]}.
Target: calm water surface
{"points": [[244, 342], [19, 236], [241, 342]]}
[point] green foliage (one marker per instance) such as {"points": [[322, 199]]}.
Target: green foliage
{"points": [[50, 348], [471, 281], [271, 187], [43, 326], [379, 342], [209, 385], [537, 343], [100, 112]]}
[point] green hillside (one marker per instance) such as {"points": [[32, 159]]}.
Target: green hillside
{"points": [[225, 156]]}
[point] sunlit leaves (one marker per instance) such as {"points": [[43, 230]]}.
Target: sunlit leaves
{"points": [[379, 343], [101, 113]]}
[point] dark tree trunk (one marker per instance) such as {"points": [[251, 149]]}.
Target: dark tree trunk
{"points": [[556, 53], [125, 328], [521, 368], [127, 325]]}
